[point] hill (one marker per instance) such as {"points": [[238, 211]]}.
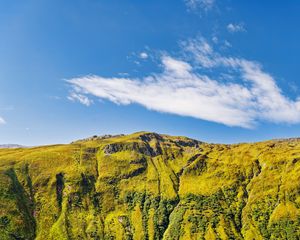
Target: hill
{"points": [[151, 186]]}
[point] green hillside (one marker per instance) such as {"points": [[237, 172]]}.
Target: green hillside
{"points": [[151, 186]]}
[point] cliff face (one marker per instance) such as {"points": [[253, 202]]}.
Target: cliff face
{"points": [[151, 186]]}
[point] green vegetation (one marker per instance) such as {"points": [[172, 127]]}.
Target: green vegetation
{"points": [[148, 186]]}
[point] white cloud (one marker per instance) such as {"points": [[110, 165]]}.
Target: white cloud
{"points": [[144, 55], [202, 4], [75, 96], [239, 27], [2, 121], [210, 86]]}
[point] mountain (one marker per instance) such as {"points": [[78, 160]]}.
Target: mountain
{"points": [[151, 186], [11, 146]]}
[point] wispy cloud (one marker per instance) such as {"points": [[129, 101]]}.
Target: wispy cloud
{"points": [[238, 27], [2, 121], [209, 86], [200, 4], [83, 99]]}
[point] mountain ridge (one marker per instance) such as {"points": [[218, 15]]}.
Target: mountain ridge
{"points": [[151, 186]]}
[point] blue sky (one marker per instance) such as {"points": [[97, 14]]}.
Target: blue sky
{"points": [[218, 71]]}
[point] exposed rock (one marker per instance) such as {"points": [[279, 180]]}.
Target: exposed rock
{"points": [[147, 137], [100, 137]]}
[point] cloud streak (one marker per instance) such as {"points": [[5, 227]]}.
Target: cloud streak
{"points": [[200, 4], [83, 99], [204, 85]]}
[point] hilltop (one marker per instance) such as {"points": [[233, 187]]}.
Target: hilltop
{"points": [[151, 186]]}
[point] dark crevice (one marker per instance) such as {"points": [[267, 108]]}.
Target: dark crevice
{"points": [[200, 164], [59, 189], [158, 176], [256, 171], [97, 167], [135, 172], [87, 183]]}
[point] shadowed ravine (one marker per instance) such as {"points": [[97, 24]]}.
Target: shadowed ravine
{"points": [[151, 186]]}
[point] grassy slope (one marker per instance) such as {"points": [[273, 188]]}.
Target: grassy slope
{"points": [[150, 186]]}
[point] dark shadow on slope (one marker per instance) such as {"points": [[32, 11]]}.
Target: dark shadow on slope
{"points": [[25, 206]]}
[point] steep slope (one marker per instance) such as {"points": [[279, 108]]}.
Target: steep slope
{"points": [[151, 186]]}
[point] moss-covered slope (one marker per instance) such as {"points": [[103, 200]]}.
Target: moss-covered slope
{"points": [[151, 186]]}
